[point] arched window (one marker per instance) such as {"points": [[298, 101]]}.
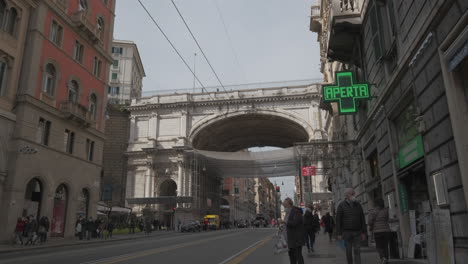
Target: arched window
{"points": [[101, 29], [50, 77], [59, 211], [73, 91], [33, 198], [2, 12], [11, 21], [83, 205], [83, 5], [93, 105]]}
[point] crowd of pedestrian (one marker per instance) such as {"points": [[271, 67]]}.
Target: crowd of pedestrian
{"points": [[350, 228], [89, 228], [29, 230]]}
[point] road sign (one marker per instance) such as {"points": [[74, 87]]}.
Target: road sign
{"points": [[346, 92], [302, 204]]}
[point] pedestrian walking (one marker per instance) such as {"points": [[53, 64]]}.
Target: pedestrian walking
{"points": [[378, 225], [90, 228], [132, 225], [19, 230], [79, 228], [328, 224], [351, 226], [110, 229], [294, 231], [43, 229], [311, 225], [31, 230]]}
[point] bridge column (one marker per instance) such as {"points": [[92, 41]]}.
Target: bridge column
{"points": [[183, 124], [179, 178], [132, 129], [153, 127]]}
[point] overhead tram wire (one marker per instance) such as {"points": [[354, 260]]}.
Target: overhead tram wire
{"points": [[173, 46], [229, 39], [196, 41]]}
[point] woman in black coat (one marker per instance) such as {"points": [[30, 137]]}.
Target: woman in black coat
{"points": [[295, 231]]}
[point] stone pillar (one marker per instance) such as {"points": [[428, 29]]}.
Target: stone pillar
{"points": [[132, 129], [179, 178], [148, 183], [153, 126], [183, 124]]}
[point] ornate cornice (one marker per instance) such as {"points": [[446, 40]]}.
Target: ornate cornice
{"points": [[224, 102]]}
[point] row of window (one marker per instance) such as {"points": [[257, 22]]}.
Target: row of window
{"points": [[8, 18], [56, 36], [43, 135], [49, 87]]}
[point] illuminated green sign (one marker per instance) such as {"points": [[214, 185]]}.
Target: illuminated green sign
{"points": [[345, 92]]}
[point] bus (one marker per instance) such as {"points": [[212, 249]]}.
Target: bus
{"points": [[213, 221]]}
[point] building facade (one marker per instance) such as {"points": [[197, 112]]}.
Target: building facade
{"points": [[408, 134], [14, 19], [238, 194], [114, 158], [126, 74], [60, 108]]}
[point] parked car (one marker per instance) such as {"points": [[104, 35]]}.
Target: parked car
{"points": [[190, 226]]}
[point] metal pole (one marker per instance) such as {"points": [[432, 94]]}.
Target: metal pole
{"points": [[194, 65]]}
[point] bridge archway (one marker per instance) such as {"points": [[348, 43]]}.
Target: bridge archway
{"points": [[244, 129]]}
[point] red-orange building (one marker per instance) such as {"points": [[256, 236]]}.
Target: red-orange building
{"points": [[60, 114]]}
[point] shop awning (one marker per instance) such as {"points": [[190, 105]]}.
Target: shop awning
{"points": [[160, 200]]}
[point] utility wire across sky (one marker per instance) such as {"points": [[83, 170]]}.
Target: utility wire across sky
{"points": [[198, 44], [172, 45]]}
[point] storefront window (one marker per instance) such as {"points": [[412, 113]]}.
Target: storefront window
{"points": [[406, 125]]}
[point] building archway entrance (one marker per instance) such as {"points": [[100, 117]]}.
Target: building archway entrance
{"points": [[33, 198], [168, 189], [83, 204], [59, 211]]}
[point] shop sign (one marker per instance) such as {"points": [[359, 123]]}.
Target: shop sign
{"points": [[309, 171], [411, 152], [404, 205], [346, 92]]}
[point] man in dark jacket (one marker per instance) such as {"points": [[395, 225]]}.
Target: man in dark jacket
{"points": [[295, 231], [311, 225], [351, 226]]}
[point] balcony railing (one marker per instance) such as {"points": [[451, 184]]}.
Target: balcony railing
{"points": [[80, 19], [77, 112], [315, 11], [346, 7], [315, 19]]}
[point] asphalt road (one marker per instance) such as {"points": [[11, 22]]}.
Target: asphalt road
{"points": [[216, 247]]}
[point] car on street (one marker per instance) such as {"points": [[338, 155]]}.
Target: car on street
{"points": [[190, 226]]}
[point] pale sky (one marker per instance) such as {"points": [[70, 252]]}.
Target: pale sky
{"points": [[271, 40]]}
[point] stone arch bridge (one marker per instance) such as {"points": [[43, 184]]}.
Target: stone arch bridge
{"points": [[164, 127]]}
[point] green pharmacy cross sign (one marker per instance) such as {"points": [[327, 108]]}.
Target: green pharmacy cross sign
{"points": [[345, 92]]}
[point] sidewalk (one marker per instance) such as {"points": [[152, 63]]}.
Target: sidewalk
{"points": [[65, 242], [328, 253]]}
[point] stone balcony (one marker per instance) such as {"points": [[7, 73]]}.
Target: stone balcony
{"points": [[78, 113], [81, 21], [345, 25], [60, 4]]}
